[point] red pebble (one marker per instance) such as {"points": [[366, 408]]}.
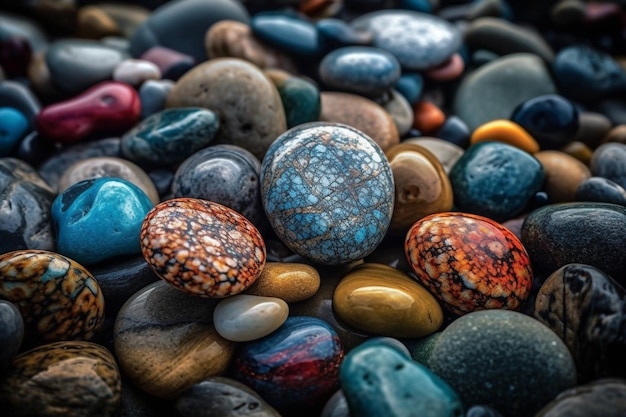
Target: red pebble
{"points": [[106, 108]]}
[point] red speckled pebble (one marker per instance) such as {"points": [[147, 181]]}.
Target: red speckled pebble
{"points": [[469, 262], [202, 247]]}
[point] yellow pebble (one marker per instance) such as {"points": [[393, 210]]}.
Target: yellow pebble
{"points": [[291, 282], [505, 131]]}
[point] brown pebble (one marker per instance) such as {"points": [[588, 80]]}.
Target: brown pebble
{"points": [[291, 282], [563, 174], [592, 128], [616, 134], [94, 23], [579, 151]]}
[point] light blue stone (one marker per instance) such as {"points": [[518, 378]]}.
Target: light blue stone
{"points": [[13, 126], [99, 219]]}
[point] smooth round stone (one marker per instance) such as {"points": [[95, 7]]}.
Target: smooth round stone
{"points": [[20, 188], [492, 91], [244, 317], [505, 131], [422, 186], [469, 262], [410, 85], [165, 341], [420, 41], [136, 71], [222, 396], [202, 247], [341, 218], [248, 104], [84, 227], [108, 166], [382, 300], [170, 63], [578, 232], [563, 175], [170, 136], [609, 161], [274, 366], [601, 190], [163, 26], [604, 397], [336, 33], [551, 119], [586, 308], [18, 96], [300, 97], [58, 298], [455, 131], [400, 111], [583, 72], [13, 126], [446, 152], [495, 180], [449, 70], [287, 32], [503, 359], [579, 151], [363, 70], [592, 128], [109, 107], [289, 281], [153, 95], [70, 379], [11, 333], [378, 380], [362, 114], [427, 117], [78, 64]]}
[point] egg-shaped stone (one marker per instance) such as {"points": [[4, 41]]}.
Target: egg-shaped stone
{"points": [[383, 300], [327, 190], [245, 317], [290, 281], [202, 247], [469, 262], [57, 297]]}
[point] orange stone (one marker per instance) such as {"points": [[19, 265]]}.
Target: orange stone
{"points": [[427, 117], [505, 131]]}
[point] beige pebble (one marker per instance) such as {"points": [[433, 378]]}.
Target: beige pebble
{"points": [[564, 174], [289, 281], [579, 151], [94, 23], [447, 152], [136, 71], [400, 111], [127, 17]]}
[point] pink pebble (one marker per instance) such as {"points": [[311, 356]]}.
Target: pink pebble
{"points": [[449, 70]]}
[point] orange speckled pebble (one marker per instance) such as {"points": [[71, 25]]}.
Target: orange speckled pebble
{"points": [[506, 131], [427, 117], [202, 247], [469, 262]]}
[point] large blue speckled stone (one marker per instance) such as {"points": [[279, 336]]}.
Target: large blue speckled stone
{"points": [[328, 192], [495, 180], [170, 136], [99, 219], [381, 380]]}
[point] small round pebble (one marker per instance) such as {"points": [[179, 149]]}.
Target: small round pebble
{"points": [[136, 71], [289, 281], [609, 161], [563, 175]]}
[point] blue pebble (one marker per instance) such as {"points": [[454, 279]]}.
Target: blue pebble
{"points": [[99, 219], [454, 130], [336, 33], [13, 126], [609, 161], [363, 70], [601, 190], [152, 95], [424, 6], [287, 32], [411, 86]]}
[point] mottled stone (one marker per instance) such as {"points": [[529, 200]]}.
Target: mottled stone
{"points": [[289, 281], [300, 97], [563, 175], [604, 397], [11, 333]]}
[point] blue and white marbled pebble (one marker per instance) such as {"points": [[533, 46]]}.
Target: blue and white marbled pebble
{"points": [[328, 192], [13, 126], [364, 70], [99, 219], [420, 41]]}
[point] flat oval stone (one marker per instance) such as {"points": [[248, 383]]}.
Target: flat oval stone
{"points": [[165, 341], [601, 190], [244, 317], [609, 161], [382, 300], [604, 397], [563, 175], [11, 333], [516, 364], [289, 281], [586, 308], [13, 126], [469, 262], [84, 227], [577, 232], [495, 180], [58, 298], [419, 41], [248, 104], [202, 247], [68, 378], [274, 365], [170, 136], [136, 71], [287, 32], [318, 219], [378, 380], [505, 131], [300, 97]]}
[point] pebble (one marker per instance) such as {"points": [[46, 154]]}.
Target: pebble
{"points": [[317, 219], [244, 317], [99, 219], [455, 131], [427, 117], [300, 97], [603, 397], [449, 70], [563, 175], [592, 128], [446, 152], [608, 161], [410, 85], [153, 95], [16, 95], [171, 64], [287, 32], [165, 341], [223, 257], [469, 262], [400, 111], [520, 363], [94, 23], [16, 53], [13, 126], [136, 71], [505, 131], [601, 190], [48, 380], [335, 33], [11, 333], [289, 281]]}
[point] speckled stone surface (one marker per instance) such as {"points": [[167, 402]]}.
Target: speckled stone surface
{"points": [[344, 216]]}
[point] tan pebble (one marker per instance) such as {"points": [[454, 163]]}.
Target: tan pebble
{"points": [[563, 173], [505, 131], [447, 152], [361, 113], [616, 134], [127, 17], [94, 23], [291, 282], [579, 151]]}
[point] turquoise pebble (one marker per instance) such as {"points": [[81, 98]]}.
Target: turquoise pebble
{"points": [[411, 86], [99, 219], [13, 125], [300, 97]]}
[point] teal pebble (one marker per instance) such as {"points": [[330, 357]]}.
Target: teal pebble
{"points": [[379, 379], [169, 136], [301, 100], [13, 125], [99, 219]]}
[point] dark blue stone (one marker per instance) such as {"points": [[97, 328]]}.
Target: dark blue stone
{"points": [[411, 86], [34, 150], [495, 180], [13, 126], [17, 95], [424, 6], [551, 119], [11, 333], [609, 161], [601, 190], [454, 130], [336, 33], [482, 411], [300, 97], [287, 32]]}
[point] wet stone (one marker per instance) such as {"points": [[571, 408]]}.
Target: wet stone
{"points": [[335, 33], [290, 281], [287, 32], [609, 161], [601, 190]]}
